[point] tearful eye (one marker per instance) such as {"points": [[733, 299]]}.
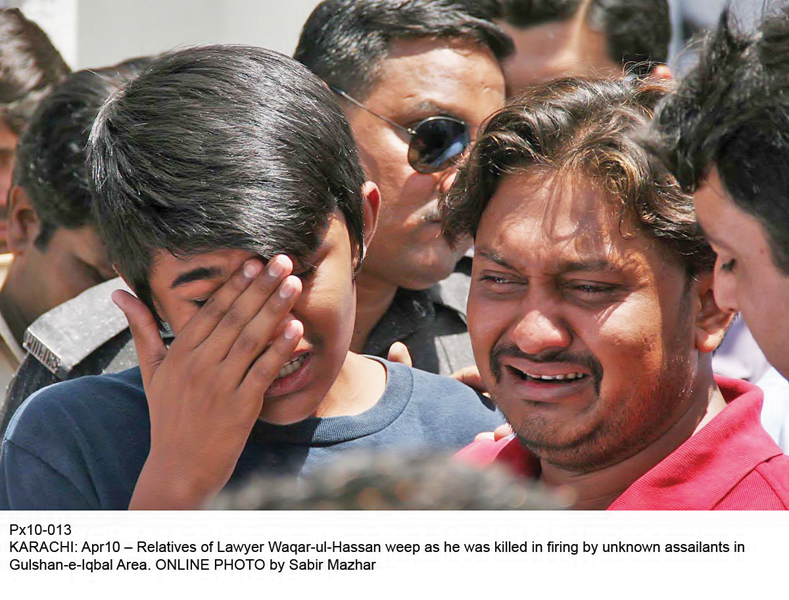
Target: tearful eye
{"points": [[594, 289]]}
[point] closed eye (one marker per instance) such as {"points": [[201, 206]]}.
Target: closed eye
{"points": [[728, 266]]}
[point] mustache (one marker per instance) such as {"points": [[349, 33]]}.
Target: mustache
{"points": [[554, 355]]}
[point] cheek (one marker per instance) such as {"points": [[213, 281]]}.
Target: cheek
{"points": [[327, 308], [487, 323], [627, 340]]}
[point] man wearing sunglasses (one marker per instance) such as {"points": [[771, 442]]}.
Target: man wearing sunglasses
{"points": [[416, 79]]}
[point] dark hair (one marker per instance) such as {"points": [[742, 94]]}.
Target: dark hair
{"points": [[221, 147], [731, 112], [50, 157], [30, 67], [638, 31], [405, 481], [591, 128], [345, 41]]}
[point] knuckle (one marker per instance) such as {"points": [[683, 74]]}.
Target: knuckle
{"points": [[234, 318], [265, 370], [213, 309], [247, 343]]}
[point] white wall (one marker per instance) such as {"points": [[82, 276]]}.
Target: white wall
{"points": [[95, 33]]}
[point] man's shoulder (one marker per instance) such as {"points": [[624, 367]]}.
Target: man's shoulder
{"points": [[79, 402], [435, 388], [441, 404]]}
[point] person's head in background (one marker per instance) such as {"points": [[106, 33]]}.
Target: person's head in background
{"points": [[725, 134], [30, 67], [564, 38], [51, 228], [403, 481], [407, 62]]}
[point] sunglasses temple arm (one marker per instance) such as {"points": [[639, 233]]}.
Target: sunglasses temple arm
{"points": [[355, 102]]}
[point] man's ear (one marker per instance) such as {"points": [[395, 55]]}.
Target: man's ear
{"points": [[24, 224], [711, 321], [662, 72], [371, 203]]}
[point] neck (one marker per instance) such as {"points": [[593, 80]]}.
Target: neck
{"points": [[358, 387], [598, 489], [10, 305], [374, 296]]}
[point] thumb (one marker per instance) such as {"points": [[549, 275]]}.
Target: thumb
{"points": [[398, 352], [145, 331]]}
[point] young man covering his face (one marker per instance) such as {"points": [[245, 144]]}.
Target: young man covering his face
{"points": [[231, 199]]}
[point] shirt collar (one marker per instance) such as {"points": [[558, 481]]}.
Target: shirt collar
{"points": [[696, 476]]}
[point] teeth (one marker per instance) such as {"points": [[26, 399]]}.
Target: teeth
{"points": [[567, 376], [291, 366]]}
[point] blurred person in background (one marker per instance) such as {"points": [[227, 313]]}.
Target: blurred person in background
{"points": [[30, 67], [407, 481], [416, 79], [564, 38], [56, 249]]}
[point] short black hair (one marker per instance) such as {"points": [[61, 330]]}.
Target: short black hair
{"points": [[638, 31], [50, 156], [221, 147], [587, 127], [345, 41], [731, 112], [30, 67]]}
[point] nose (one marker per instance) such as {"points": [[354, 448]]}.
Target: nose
{"points": [[538, 331], [725, 290]]}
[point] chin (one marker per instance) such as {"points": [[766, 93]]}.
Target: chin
{"points": [[286, 410], [424, 276]]}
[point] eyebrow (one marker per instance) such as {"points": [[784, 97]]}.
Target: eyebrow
{"points": [[592, 265], [430, 108], [198, 274]]}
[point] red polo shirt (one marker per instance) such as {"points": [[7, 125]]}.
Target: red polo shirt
{"points": [[730, 464]]}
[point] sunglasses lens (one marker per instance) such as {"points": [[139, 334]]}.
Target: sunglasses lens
{"points": [[436, 143]]}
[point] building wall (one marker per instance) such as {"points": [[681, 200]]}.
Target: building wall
{"points": [[95, 33]]}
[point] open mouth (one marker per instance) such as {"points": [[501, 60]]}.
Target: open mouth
{"points": [[292, 366], [558, 378]]}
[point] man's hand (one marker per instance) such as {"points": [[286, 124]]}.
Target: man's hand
{"points": [[471, 377], [206, 391]]}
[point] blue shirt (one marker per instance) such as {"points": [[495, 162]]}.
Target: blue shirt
{"points": [[81, 444]]}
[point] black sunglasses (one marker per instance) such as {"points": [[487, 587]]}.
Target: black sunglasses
{"points": [[436, 142]]}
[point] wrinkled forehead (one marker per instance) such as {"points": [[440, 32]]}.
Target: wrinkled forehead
{"points": [[545, 214]]}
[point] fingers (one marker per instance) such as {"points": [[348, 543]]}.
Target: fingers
{"points": [[502, 431], [398, 352], [266, 368], [471, 377], [147, 341], [259, 332], [228, 309]]}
